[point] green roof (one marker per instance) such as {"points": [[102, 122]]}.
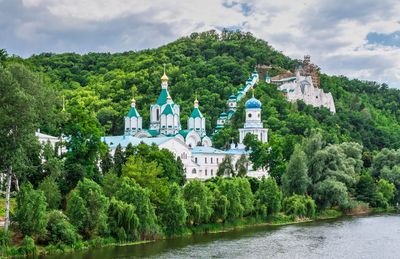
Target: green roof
{"points": [[133, 113], [196, 113], [223, 115], [168, 110], [153, 133], [162, 98], [232, 97], [184, 132]]}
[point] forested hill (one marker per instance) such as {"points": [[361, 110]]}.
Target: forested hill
{"points": [[214, 66]]}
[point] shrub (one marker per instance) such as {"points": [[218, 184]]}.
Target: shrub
{"points": [[28, 246], [60, 229], [300, 206]]}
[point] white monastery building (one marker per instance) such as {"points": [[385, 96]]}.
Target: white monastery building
{"points": [[192, 145]]}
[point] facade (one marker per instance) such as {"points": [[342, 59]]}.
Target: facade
{"points": [[192, 145]]}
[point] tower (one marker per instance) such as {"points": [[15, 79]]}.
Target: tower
{"points": [[253, 122], [164, 114], [232, 102], [196, 121], [133, 121]]}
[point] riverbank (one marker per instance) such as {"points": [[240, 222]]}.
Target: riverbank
{"points": [[273, 221]]}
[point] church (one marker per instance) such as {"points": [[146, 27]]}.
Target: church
{"points": [[192, 145]]}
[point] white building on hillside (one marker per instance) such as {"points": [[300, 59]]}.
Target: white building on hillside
{"points": [[192, 145]]}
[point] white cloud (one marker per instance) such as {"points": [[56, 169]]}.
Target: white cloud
{"points": [[333, 32]]}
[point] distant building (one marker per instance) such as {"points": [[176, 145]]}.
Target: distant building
{"points": [[304, 85]]}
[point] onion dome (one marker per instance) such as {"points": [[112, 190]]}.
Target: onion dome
{"points": [[253, 103]]}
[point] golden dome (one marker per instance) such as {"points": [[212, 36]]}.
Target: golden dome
{"points": [[164, 77], [133, 100]]}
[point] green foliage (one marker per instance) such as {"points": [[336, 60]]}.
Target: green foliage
{"points": [[30, 215], [299, 206], [87, 209], [225, 168], [198, 202], [329, 193], [131, 198], [124, 223], [295, 180], [387, 189], [268, 197], [60, 230], [5, 238], [27, 246], [174, 213], [51, 191]]}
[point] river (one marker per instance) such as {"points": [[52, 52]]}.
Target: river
{"points": [[358, 237]]}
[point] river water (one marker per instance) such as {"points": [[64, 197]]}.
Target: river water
{"points": [[357, 237]]}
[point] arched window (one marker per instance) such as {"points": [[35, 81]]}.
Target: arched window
{"points": [[249, 115], [194, 171], [212, 172], [158, 114], [205, 172]]}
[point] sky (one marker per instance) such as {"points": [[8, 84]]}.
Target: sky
{"points": [[355, 38]]}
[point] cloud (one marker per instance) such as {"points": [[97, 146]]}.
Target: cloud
{"points": [[358, 38]]}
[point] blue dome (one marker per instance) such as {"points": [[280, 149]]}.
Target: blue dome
{"points": [[253, 103]]}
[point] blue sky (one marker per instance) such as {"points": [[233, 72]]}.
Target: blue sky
{"points": [[356, 38]]}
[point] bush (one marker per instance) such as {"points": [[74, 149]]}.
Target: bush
{"points": [[28, 246], [31, 215], [60, 230], [4, 238], [300, 206]]}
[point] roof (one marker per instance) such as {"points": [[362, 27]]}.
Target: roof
{"points": [[253, 103], [153, 133], [236, 151], [162, 98], [196, 113], [206, 150], [223, 114], [232, 97], [133, 113], [168, 110], [184, 132], [230, 114], [114, 141]]}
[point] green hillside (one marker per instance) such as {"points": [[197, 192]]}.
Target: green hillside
{"points": [[214, 66]]}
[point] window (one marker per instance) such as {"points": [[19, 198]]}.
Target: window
{"points": [[205, 160], [211, 160], [194, 171], [158, 114], [249, 115], [217, 160], [212, 173], [205, 172], [195, 159]]}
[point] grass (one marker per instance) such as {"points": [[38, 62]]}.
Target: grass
{"points": [[13, 204]]}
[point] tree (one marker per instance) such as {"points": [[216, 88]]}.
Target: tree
{"points": [[366, 189], [241, 166], [106, 163], [30, 213], [268, 197], [174, 212], [295, 180], [59, 229], [387, 189], [25, 102], [230, 189], [299, 206], [198, 202], [51, 191], [87, 208], [225, 168], [141, 221], [119, 160], [330, 192]]}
